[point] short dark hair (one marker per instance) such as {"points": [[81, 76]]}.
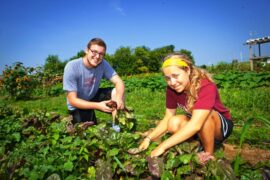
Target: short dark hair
{"points": [[96, 41]]}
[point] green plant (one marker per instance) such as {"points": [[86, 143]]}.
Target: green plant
{"points": [[247, 125], [18, 81]]}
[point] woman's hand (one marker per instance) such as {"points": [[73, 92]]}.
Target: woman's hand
{"points": [[144, 145], [157, 151]]}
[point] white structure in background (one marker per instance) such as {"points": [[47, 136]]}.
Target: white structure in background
{"points": [[252, 56]]}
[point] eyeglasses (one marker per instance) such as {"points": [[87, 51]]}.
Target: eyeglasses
{"points": [[94, 52]]}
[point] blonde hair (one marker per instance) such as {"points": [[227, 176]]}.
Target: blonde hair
{"points": [[195, 77]]}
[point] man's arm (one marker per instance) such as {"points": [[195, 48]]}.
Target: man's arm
{"points": [[83, 104], [120, 91]]}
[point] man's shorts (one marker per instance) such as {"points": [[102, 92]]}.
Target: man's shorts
{"points": [[83, 115]]}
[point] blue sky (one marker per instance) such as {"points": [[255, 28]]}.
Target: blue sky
{"points": [[213, 31]]}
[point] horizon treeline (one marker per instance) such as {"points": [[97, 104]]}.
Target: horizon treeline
{"points": [[125, 60], [132, 61]]}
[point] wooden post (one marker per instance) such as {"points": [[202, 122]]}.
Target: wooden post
{"points": [[259, 48], [250, 58], [254, 42]]}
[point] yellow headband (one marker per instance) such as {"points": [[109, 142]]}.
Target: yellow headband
{"points": [[174, 62]]}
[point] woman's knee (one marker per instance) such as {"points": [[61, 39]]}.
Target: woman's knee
{"points": [[176, 122]]}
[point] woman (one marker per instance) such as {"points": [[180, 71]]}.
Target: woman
{"points": [[193, 90]]}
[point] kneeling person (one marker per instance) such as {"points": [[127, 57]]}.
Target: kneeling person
{"points": [[81, 82]]}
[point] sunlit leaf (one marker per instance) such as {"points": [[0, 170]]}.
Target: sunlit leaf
{"points": [[68, 166], [113, 152]]}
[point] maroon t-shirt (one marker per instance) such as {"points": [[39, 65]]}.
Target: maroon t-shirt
{"points": [[208, 99]]}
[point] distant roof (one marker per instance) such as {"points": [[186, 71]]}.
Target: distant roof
{"points": [[258, 40]]}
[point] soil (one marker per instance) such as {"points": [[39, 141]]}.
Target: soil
{"points": [[248, 153]]}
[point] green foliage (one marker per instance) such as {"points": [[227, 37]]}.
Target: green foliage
{"points": [[245, 128], [242, 80], [127, 61], [37, 145], [189, 54], [229, 80], [55, 90], [123, 61], [142, 56], [53, 65], [19, 81], [80, 54]]}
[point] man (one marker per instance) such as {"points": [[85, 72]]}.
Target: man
{"points": [[82, 79]]}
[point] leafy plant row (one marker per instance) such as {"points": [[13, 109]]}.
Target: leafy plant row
{"points": [[243, 80], [239, 80], [39, 145]]}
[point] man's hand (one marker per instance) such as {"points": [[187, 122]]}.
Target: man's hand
{"points": [[112, 104], [102, 106], [120, 103]]}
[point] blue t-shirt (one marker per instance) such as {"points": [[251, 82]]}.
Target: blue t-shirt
{"points": [[85, 81]]}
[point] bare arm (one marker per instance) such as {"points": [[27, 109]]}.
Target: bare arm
{"points": [[120, 90], [192, 127], [159, 130], [162, 125], [83, 104]]}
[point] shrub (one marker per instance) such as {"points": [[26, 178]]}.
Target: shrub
{"points": [[18, 81]]}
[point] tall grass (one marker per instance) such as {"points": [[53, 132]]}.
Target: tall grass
{"points": [[150, 104], [246, 103]]}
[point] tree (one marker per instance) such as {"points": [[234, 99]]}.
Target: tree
{"points": [[53, 65], [142, 56], [123, 61], [79, 55], [156, 57], [189, 54]]}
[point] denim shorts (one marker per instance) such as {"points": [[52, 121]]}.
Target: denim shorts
{"points": [[83, 115]]}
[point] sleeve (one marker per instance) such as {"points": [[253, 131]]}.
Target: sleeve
{"points": [[69, 79], [171, 100], [109, 72], [207, 97]]}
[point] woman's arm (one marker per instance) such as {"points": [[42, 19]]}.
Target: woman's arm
{"points": [[162, 125], [192, 127], [159, 130]]}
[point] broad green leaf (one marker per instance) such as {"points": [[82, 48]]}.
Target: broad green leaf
{"points": [[86, 157], [91, 172], [56, 136], [186, 158], [167, 175], [183, 170], [172, 163], [68, 166], [113, 152], [17, 136]]}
